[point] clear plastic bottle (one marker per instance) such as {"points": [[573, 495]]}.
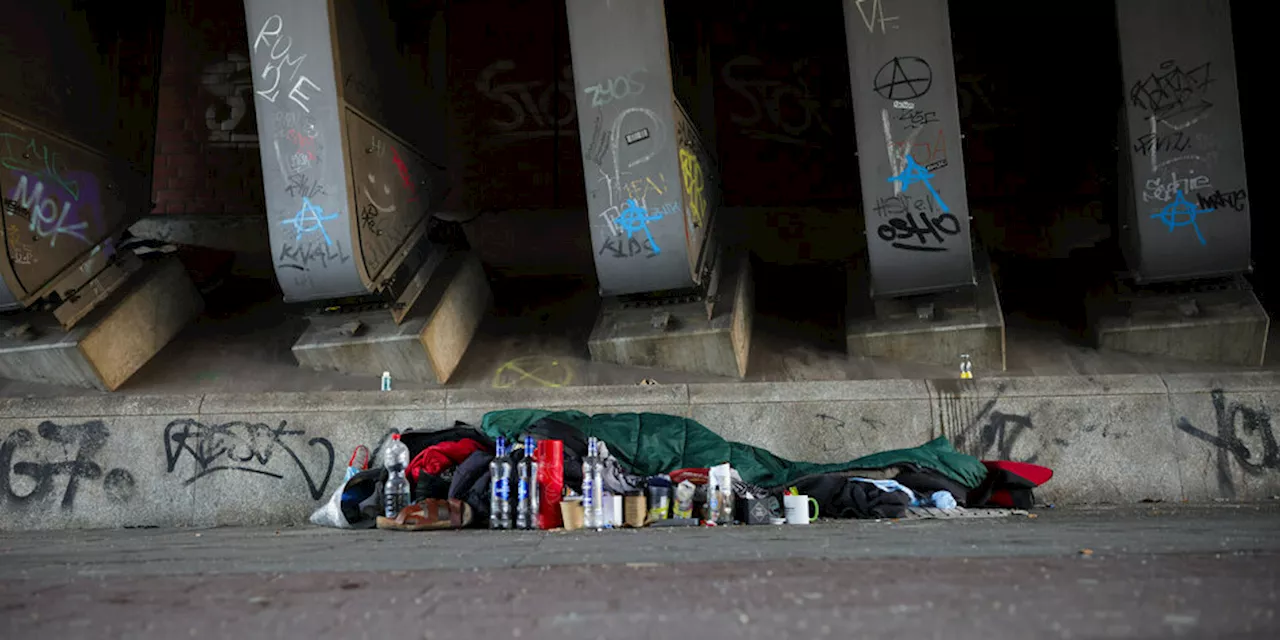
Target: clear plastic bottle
{"points": [[500, 487], [527, 494], [592, 487], [966, 367], [396, 491]]}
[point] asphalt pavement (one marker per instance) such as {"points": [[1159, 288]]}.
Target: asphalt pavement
{"points": [[1147, 571]]}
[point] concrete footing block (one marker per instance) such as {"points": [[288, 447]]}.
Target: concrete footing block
{"points": [[1227, 327], [934, 329], [426, 347], [113, 342], [679, 337]]}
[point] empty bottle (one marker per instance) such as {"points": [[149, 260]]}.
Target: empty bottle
{"points": [[593, 487], [386, 380], [500, 487], [527, 494], [396, 492]]}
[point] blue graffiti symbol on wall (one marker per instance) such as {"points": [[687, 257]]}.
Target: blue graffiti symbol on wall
{"points": [[310, 218], [634, 219], [1181, 213], [913, 173]]}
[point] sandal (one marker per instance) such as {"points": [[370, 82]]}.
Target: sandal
{"points": [[429, 514]]}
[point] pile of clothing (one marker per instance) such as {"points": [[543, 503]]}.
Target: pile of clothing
{"points": [[450, 468]]}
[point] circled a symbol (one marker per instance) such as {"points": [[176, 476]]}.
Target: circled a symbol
{"points": [[904, 78], [533, 371]]}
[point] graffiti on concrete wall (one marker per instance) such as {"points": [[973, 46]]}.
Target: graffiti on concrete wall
{"points": [[791, 111], [1241, 436], [532, 109], [229, 118], [54, 462], [248, 447]]}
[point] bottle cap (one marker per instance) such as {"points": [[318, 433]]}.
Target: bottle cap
{"points": [[395, 436]]}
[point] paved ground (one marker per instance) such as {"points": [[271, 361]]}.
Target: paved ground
{"points": [[1152, 572]]}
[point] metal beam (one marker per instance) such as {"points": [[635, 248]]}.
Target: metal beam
{"points": [[1183, 179], [909, 151]]}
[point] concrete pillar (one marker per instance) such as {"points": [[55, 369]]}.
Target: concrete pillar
{"points": [[916, 210], [76, 130], [910, 159], [649, 181], [652, 192], [1187, 205], [1184, 201], [352, 143], [351, 148]]}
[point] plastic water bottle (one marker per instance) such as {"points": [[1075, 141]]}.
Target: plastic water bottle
{"points": [[592, 487], [527, 493], [966, 367], [396, 491], [386, 380], [500, 487]]}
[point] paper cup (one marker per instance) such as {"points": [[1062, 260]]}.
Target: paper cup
{"points": [[571, 511]]}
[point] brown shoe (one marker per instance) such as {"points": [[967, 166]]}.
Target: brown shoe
{"points": [[428, 515]]}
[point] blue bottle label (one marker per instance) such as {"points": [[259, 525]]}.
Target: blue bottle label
{"points": [[503, 491], [522, 490]]}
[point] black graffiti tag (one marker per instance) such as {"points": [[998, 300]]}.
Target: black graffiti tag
{"points": [[1172, 91], [904, 78], [995, 432], [1255, 423], [242, 446], [52, 457]]}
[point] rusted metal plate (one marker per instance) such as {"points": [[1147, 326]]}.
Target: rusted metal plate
{"points": [[391, 193], [60, 202]]}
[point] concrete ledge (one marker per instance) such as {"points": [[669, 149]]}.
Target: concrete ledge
{"points": [[119, 460]]}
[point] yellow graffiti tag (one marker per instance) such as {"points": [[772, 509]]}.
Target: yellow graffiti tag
{"points": [[532, 371], [640, 188], [691, 171]]}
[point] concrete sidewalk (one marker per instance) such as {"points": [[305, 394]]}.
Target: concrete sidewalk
{"points": [[1150, 571], [200, 460]]}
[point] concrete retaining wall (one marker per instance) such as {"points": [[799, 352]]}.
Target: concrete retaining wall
{"points": [[112, 461]]}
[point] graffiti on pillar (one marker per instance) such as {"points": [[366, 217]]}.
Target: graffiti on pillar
{"points": [[617, 89], [1174, 95], [248, 447], [1241, 434], [51, 200], [229, 118], [31, 465], [789, 112], [1236, 200], [309, 219], [534, 109], [1164, 188], [1173, 100], [282, 69], [694, 186], [913, 173], [636, 199], [1181, 213], [915, 224], [904, 78], [872, 12]]}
